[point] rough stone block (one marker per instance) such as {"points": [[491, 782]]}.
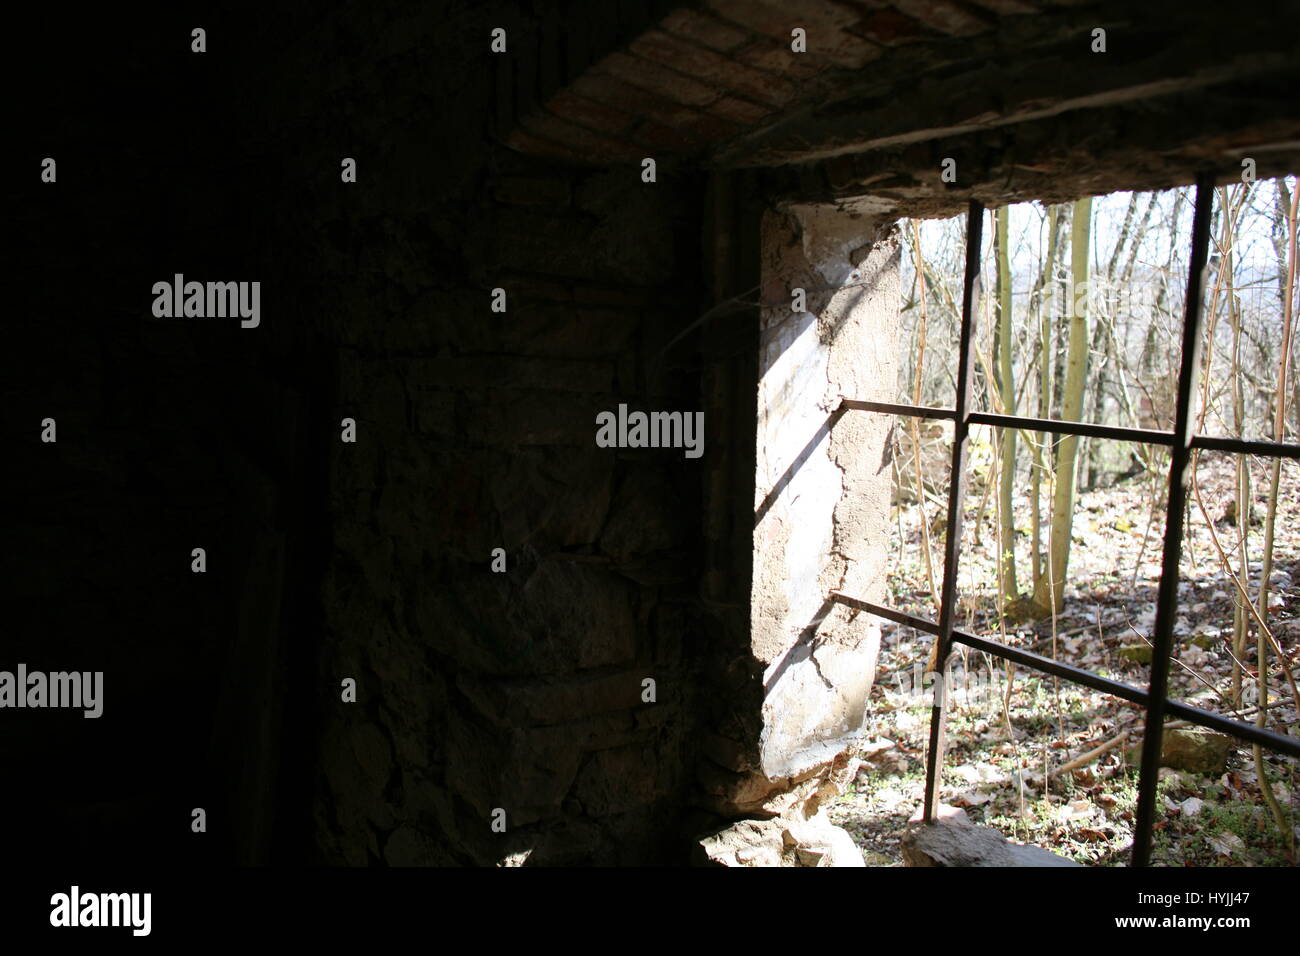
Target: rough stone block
{"points": [[555, 703], [778, 842], [645, 516], [614, 781], [952, 840], [510, 372], [435, 413], [552, 498], [566, 332], [407, 846], [1195, 749], [523, 417], [578, 615]]}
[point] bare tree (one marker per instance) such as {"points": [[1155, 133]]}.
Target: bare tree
{"points": [[1005, 383], [1071, 403]]}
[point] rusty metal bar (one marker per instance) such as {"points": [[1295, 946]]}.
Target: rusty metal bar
{"points": [[1274, 741], [1146, 436], [956, 495], [1086, 429], [888, 613], [1167, 595], [889, 408], [1243, 446], [1195, 715]]}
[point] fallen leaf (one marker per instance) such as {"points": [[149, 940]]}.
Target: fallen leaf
{"points": [[1077, 810]]}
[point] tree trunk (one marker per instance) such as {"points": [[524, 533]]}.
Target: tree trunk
{"points": [[1007, 392], [1270, 522], [1076, 367], [1043, 307]]}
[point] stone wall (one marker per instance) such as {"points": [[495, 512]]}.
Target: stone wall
{"points": [[522, 691], [477, 690], [475, 430]]}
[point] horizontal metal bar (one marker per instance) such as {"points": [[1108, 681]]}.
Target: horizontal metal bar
{"points": [[1056, 426], [1038, 662], [1195, 715], [1244, 446], [888, 613], [1274, 741], [1269, 739], [1087, 429], [889, 408]]}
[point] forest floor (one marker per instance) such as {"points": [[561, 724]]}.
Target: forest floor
{"points": [[1007, 740]]}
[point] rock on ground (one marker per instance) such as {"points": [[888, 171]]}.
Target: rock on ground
{"points": [[781, 842], [952, 840]]}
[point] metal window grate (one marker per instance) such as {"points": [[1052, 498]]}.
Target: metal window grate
{"points": [[1181, 441]]}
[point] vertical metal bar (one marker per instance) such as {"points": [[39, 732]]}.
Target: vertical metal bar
{"points": [[1167, 596], [956, 496]]}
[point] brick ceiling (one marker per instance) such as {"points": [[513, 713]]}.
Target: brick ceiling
{"points": [[887, 88]]}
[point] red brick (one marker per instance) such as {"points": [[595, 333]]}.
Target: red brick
{"points": [[598, 116], [1007, 8], [660, 80], [536, 146], [777, 19], [739, 111], [827, 26], [669, 139], [632, 99], [584, 142], [699, 27], [711, 129], [721, 71], [699, 129], [764, 53], [946, 16], [891, 28], [841, 48]]}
